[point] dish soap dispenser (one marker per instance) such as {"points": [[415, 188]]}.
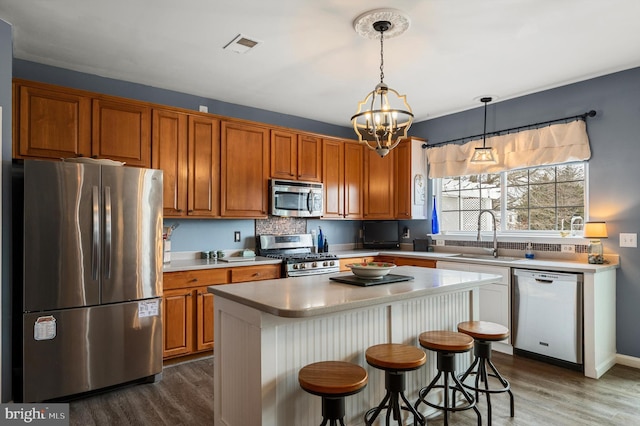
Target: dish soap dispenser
{"points": [[529, 253]]}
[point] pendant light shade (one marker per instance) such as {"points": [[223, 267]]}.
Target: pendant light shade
{"points": [[384, 116], [484, 154]]}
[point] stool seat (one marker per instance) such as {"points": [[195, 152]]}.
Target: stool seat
{"points": [[484, 330], [332, 378], [446, 341], [394, 356]]}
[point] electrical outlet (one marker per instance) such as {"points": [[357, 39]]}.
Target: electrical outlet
{"points": [[439, 242], [568, 248], [628, 240], [236, 236], [406, 233]]}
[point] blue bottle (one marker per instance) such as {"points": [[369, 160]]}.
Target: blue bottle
{"points": [[435, 226], [320, 240]]}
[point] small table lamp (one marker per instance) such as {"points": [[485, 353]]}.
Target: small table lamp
{"points": [[594, 231]]}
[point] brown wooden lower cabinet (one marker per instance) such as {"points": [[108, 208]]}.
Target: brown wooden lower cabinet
{"points": [[400, 261], [188, 306], [349, 260], [409, 261], [177, 314], [204, 319]]}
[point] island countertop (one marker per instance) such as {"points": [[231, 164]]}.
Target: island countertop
{"points": [[300, 297]]}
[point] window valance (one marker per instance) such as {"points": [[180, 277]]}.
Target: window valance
{"points": [[554, 144]]}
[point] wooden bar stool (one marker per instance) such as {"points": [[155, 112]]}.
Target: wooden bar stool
{"points": [[484, 332], [447, 344], [332, 380], [394, 359]]}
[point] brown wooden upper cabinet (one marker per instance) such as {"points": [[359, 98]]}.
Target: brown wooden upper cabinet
{"points": [[379, 185], [51, 123], [244, 170], [58, 122], [122, 131], [410, 179], [187, 148], [295, 156], [342, 172]]}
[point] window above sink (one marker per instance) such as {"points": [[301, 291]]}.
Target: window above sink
{"points": [[535, 202]]}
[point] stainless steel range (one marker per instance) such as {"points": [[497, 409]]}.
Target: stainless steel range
{"points": [[295, 250]]}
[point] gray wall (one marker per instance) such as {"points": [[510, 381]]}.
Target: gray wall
{"points": [[53, 75], [614, 172], [6, 56]]}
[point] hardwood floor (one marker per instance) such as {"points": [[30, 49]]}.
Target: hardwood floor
{"points": [[545, 395], [184, 396]]}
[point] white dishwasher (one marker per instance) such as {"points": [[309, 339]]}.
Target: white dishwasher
{"points": [[547, 315]]}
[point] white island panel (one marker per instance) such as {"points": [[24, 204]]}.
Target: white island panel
{"points": [[258, 354]]}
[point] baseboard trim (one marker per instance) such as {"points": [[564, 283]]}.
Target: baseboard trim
{"points": [[627, 360]]}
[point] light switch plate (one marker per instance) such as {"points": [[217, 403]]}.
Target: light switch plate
{"points": [[628, 239], [439, 242]]}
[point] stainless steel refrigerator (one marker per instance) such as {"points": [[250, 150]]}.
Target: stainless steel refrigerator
{"points": [[87, 308]]}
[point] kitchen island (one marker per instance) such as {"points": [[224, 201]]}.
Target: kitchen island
{"points": [[266, 331]]}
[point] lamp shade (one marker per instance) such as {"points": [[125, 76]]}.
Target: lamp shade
{"points": [[595, 230]]}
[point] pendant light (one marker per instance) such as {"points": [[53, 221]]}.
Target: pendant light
{"points": [[484, 154], [384, 116]]}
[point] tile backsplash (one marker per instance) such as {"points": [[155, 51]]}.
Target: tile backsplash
{"points": [[281, 225], [539, 247]]}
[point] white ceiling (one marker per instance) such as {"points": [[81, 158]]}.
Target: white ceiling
{"points": [[312, 64]]}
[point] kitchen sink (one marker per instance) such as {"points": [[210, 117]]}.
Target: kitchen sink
{"points": [[487, 257]]}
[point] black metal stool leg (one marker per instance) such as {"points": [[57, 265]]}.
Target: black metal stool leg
{"points": [[446, 368], [395, 384], [482, 353], [505, 383]]}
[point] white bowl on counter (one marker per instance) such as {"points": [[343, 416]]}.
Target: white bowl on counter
{"points": [[371, 270]]}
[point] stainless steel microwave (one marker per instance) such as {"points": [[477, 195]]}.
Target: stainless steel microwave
{"points": [[294, 198]]}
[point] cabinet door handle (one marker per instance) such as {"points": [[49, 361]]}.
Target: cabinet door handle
{"points": [[179, 210], [189, 295], [193, 280], [257, 274]]}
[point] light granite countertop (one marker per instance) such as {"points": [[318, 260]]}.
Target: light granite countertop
{"points": [[195, 264], [186, 264], [300, 297], [539, 264]]}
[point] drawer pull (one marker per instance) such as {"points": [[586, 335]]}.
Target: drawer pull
{"points": [[193, 280]]}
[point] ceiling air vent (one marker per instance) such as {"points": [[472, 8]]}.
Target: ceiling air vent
{"points": [[241, 44]]}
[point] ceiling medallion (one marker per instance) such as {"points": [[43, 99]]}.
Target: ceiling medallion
{"points": [[363, 24]]}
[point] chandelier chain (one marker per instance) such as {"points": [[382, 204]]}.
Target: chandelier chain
{"points": [[382, 56]]}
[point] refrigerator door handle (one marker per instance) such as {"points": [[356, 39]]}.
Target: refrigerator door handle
{"points": [[107, 231], [96, 233]]}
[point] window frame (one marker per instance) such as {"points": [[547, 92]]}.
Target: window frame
{"points": [[437, 193]]}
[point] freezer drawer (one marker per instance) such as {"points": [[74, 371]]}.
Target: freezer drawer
{"points": [[90, 348], [547, 314]]}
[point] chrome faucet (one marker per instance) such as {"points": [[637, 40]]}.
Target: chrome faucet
{"points": [[495, 236]]}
